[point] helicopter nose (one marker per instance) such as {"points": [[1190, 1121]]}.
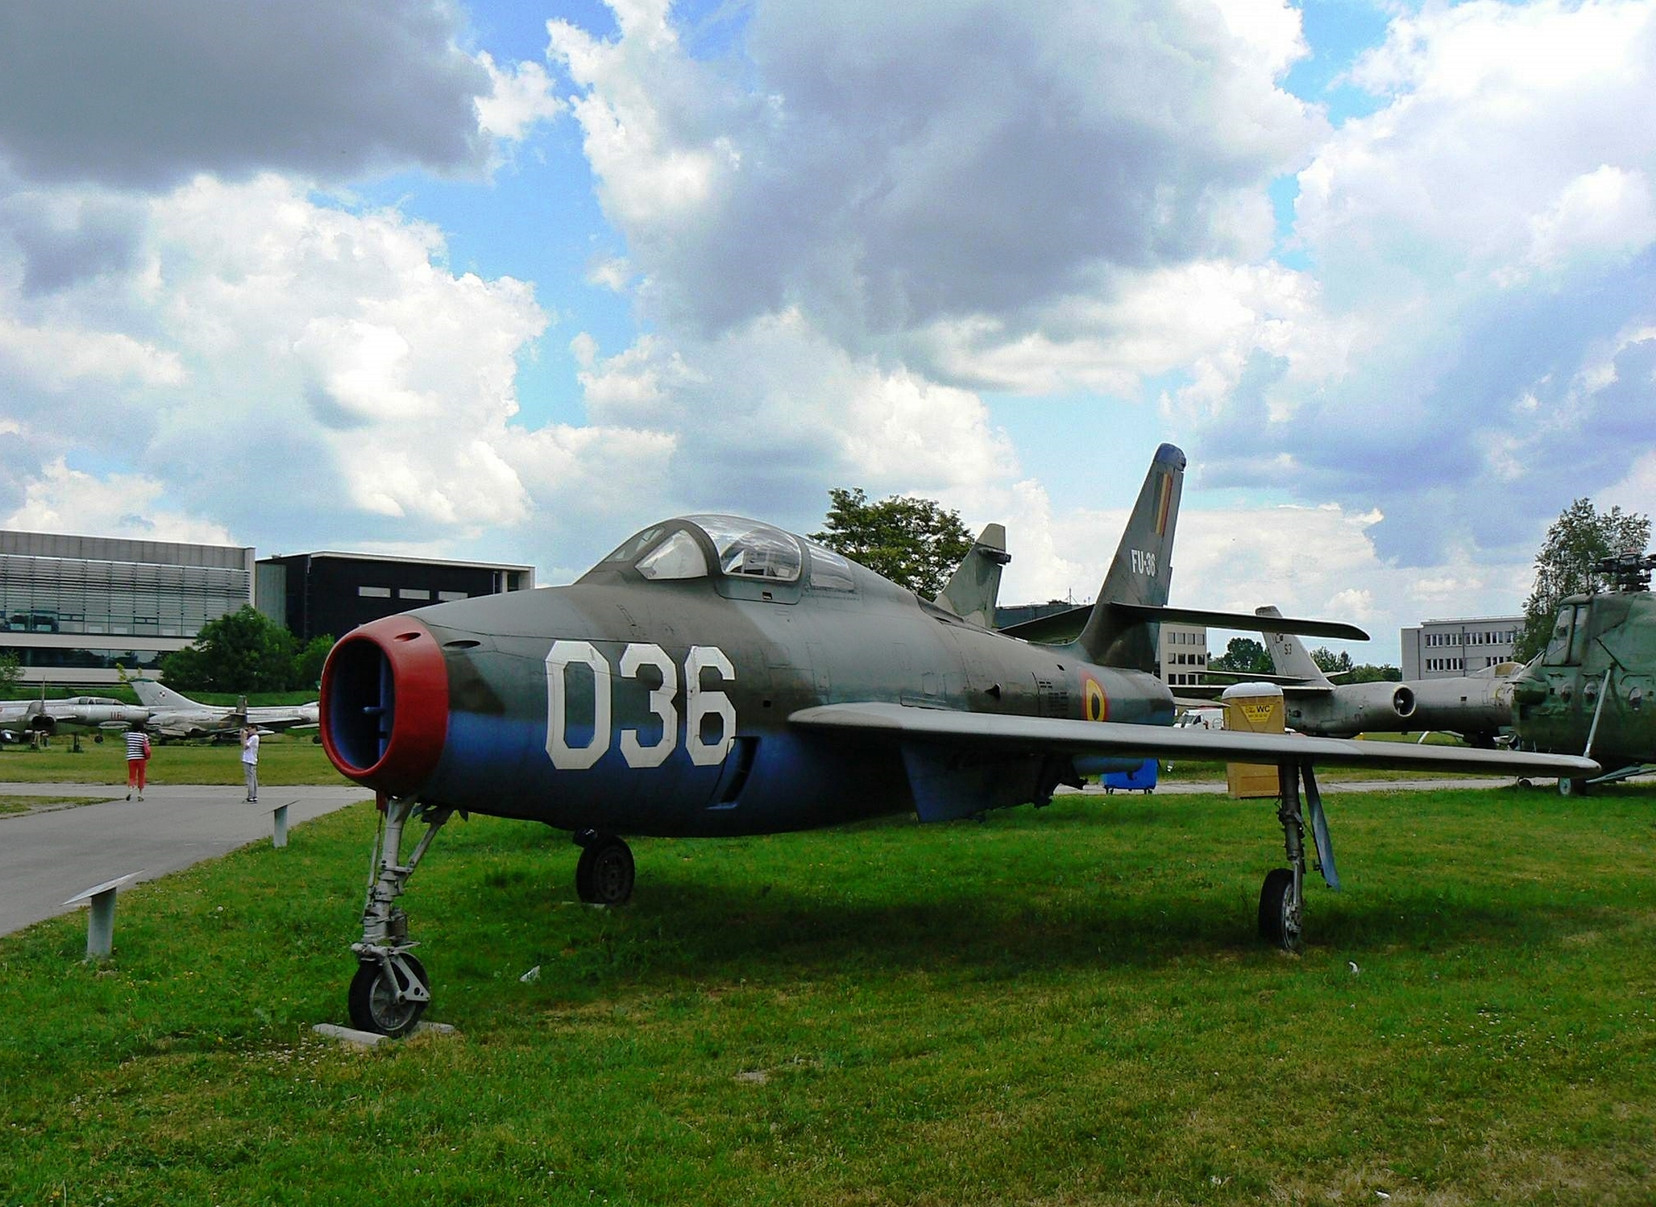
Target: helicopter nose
{"points": [[384, 705]]}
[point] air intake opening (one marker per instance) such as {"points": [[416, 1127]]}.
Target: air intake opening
{"points": [[360, 705]]}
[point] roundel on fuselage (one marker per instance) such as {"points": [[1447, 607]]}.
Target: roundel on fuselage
{"points": [[1094, 702]]}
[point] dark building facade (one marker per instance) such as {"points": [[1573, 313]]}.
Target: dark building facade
{"points": [[329, 594]]}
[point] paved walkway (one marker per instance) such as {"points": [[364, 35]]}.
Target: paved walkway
{"points": [[49, 855]]}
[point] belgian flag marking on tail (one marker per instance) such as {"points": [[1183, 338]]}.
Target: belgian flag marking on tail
{"points": [[1164, 501]]}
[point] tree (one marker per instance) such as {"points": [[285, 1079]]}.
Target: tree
{"points": [[913, 542], [244, 651], [11, 676], [307, 663], [1579, 537], [1329, 662], [1243, 655]]}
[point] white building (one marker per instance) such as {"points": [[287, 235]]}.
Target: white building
{"points": [[1183, 653], [1442, 648]]}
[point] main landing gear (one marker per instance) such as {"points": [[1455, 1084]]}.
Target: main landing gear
{"points": [[605, 874], [1282, 898]]}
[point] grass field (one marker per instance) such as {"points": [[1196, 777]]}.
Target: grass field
{"points": [[1061, 1006], [283, 759]]}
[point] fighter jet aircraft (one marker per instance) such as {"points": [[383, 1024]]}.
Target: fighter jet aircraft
{"points": [[1593, 689], [74, 715], [719, 676], [173, 715], [1476, 706]]}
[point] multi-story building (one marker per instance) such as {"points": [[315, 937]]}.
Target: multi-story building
{"points": [[1441, 648], [75, 608], [317, 594], [1183, 654]]}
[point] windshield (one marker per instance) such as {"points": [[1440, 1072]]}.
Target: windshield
{"points": [[749, 549]]}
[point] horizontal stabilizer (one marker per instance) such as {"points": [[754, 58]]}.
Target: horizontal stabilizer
{"points": [[1063, 626], [1241, 620], [1055, 629]]}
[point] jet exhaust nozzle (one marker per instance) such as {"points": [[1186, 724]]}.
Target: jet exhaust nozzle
{"points": [[384, 705], [1403, 702]]}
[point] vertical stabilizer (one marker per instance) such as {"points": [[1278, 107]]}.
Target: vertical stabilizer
{"points": [[155, 695], [1141, 573], [1289, 655], [974, 588]]}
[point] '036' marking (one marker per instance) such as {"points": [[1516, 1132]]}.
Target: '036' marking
{"points": [[700, 703]]}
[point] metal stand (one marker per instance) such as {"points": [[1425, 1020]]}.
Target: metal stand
{"points": [[100, 927]]}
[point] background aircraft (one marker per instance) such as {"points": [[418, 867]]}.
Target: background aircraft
{"points": [[718, 676], [174, 715], [1593, 689], [74, 715], [1478, 707]]}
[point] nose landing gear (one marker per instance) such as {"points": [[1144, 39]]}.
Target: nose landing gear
{"points": [[391, 989]]}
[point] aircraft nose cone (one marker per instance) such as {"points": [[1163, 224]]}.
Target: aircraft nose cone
{"points": [[384, 704]]}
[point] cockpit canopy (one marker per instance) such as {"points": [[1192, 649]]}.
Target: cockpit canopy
{"points": [[741, 549]]}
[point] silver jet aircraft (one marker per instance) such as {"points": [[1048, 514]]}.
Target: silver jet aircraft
{"points": [[75, 714], [719, 676], [1476, 706], [174, 715]]}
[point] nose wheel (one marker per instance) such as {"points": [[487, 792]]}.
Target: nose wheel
{"points": [[605, 874], [388, 995]]}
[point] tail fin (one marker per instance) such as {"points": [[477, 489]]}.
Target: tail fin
{"points": [[155, 695], [974, 588], [1289, 655], [1141, 573]]}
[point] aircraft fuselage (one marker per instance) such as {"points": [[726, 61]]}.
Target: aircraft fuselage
{"points": [[661, 708]]}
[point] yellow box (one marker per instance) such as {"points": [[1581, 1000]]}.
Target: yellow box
{"points": [[1253, 708]]}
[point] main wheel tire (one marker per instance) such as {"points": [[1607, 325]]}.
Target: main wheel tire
{"points": [[605, 874], [1279, 922], [373, 999], [1572, 787]]}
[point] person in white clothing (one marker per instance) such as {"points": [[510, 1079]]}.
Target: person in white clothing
{"points": [[250, 761]]}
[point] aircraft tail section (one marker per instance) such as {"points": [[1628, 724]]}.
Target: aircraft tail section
{"points": [[1289, 655], [1141, 574], [154, 695], [973, 590]]}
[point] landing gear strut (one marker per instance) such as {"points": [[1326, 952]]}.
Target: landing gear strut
{"points": [[391, 989], [1282, 897], [605, 874]]}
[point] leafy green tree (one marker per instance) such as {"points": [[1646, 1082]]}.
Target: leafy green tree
{"points": [[307, 663], [11, 677], [1579, 537], [1329, 662], [1243, 655], [244, 651], [915, 543], [1368, 672]]}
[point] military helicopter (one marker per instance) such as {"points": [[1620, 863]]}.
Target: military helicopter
{"points": [[1591, 690], [716, 675]]}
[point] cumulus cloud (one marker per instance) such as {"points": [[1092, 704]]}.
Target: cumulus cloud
{"points": [[147, 95], [124, 505], [884, 168], [1481, 242], [304, 371]]}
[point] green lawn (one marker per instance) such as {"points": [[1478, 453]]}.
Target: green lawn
{"points": [[1060, 1006], [283, 759]]}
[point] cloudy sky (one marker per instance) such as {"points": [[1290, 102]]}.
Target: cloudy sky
{"points": [[508, 279]]}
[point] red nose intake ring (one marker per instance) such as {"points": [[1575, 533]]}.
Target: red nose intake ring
{"points": [[384, 705]]}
